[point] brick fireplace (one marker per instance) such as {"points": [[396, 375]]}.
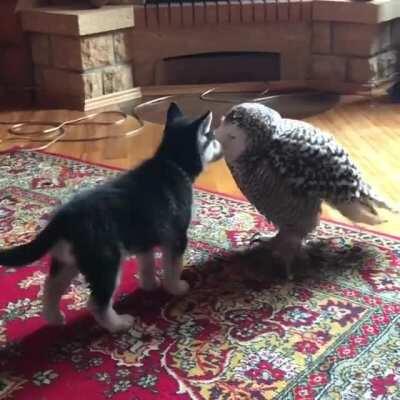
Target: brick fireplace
{"points": [[87, 58]]}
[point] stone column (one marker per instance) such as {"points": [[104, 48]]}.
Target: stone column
{"points": [[355, 42], [82, 57]]}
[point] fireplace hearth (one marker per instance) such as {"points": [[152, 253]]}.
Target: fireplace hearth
{"points": [[87, 57]]}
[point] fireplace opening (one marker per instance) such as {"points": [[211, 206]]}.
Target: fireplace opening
{"points": [[222, 67]]}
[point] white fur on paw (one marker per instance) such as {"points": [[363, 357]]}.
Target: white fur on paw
{"points": [[150, 285], [179, 288], [55, 318], [121, 322]]}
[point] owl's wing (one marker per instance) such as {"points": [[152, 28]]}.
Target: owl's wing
{"points": [[313, 163]]}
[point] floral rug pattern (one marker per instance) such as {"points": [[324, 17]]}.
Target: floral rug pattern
{"points": [[242, 332]]}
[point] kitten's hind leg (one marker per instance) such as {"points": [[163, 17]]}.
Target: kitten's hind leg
{"points": [[101, 271], [56, 283], [147, 271], [173, 260]]}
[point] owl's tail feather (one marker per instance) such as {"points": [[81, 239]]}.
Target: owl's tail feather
{"points": [[360, 211], [382, 204]]}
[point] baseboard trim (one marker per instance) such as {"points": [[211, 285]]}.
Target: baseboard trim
{"points": [[165, 90], [79, 103], [273, 86], [135, 94], [113, 99]]}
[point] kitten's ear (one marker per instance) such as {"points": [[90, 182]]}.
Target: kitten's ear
{"points": [[205, 121], [173, 113]]}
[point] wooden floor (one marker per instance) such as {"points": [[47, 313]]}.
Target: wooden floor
{"points": [[370, 131]]}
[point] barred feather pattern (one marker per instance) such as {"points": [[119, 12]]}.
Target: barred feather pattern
{"points": [[274, 199], [308, 161]]}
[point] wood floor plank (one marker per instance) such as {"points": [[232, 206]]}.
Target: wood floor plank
{"points": [[369, 130]]}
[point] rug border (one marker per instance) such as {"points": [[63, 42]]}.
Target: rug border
{"points": [[198, 187]]}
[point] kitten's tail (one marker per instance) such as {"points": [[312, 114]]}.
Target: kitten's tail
{"points": [[19, 256]]}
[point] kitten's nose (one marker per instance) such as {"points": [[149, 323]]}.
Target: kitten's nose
{"points": [[219, 152]]}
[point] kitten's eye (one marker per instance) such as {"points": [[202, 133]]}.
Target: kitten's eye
{"points": [[231, 136]]}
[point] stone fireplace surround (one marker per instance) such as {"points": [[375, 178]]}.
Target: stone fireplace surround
{"points": [[87, 58]]}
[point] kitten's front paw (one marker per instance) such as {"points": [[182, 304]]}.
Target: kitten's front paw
{"points": [[150, 285], [122, 322], [178, 288], [304, 257]]}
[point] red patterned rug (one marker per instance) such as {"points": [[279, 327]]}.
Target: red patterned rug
{"points": [[241, 333]]}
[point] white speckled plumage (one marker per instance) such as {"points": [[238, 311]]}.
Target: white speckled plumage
{"points": [[287, 168]]}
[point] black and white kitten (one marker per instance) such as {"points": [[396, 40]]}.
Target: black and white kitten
{"points": [[142, 208]]}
